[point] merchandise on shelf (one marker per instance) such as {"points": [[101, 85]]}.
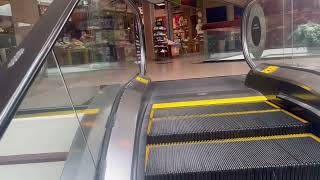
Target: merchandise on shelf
{"points": [[160, 40]]}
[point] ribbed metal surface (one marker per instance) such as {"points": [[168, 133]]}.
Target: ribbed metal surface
{"points": [[280, 159], [211, 109], [177, 129]]}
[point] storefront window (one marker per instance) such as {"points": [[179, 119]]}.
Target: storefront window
{"points": [[98, 35], [96, 48], [207, 30]]}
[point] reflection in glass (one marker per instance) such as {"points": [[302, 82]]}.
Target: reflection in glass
{"points": [[292, 33], [96, 52], [97, 48], [41, 137], [16, 21]]}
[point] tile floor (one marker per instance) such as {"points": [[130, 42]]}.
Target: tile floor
{"points": [[189, 67], [83, 85]]}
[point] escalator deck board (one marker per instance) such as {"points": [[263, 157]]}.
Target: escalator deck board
{"points": [[285, 157], [205, 126]]}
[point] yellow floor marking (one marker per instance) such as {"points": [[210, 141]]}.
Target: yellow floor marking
{"points": [[88, 124], [289, 136], [209, 102], [215, 115], [59, 113], [150, 122], [270, 69], [142, 80]]}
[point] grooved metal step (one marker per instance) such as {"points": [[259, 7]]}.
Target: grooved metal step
{"points": [[185, 111], [284, 157], [223, 121]]}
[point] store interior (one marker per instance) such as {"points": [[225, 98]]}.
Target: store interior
{"points": [[208, 30], [100, 36], [178, 34]]}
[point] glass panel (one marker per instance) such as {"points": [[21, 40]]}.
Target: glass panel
{"points": [[16, 21], [285, 32], [306, 33], [222, 31], [207, 30], [44, 134], [98, 41], [97, 54], [224, 44], [266, 32]]}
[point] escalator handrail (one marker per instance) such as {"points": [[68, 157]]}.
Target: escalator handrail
{"points": [[19, 72], [244, 30]]}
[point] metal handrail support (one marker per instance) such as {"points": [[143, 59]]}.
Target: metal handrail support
{"points": [[244, 30], [141, 41]]}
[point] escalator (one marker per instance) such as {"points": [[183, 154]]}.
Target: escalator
{"points": [[231, 138], [237, 134], [264, 125], [259, 127]]}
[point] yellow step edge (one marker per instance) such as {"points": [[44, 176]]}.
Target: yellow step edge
{"points": [[287, 112], [294, 116], [146, 157], [215, 115], [249, 99], [316, 138], [59, 113], [150, 122], [272, 105], [261, 138]]}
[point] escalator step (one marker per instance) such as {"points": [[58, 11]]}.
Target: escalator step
{"points": [[224, 125], [284, 157], [185, 111]]}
